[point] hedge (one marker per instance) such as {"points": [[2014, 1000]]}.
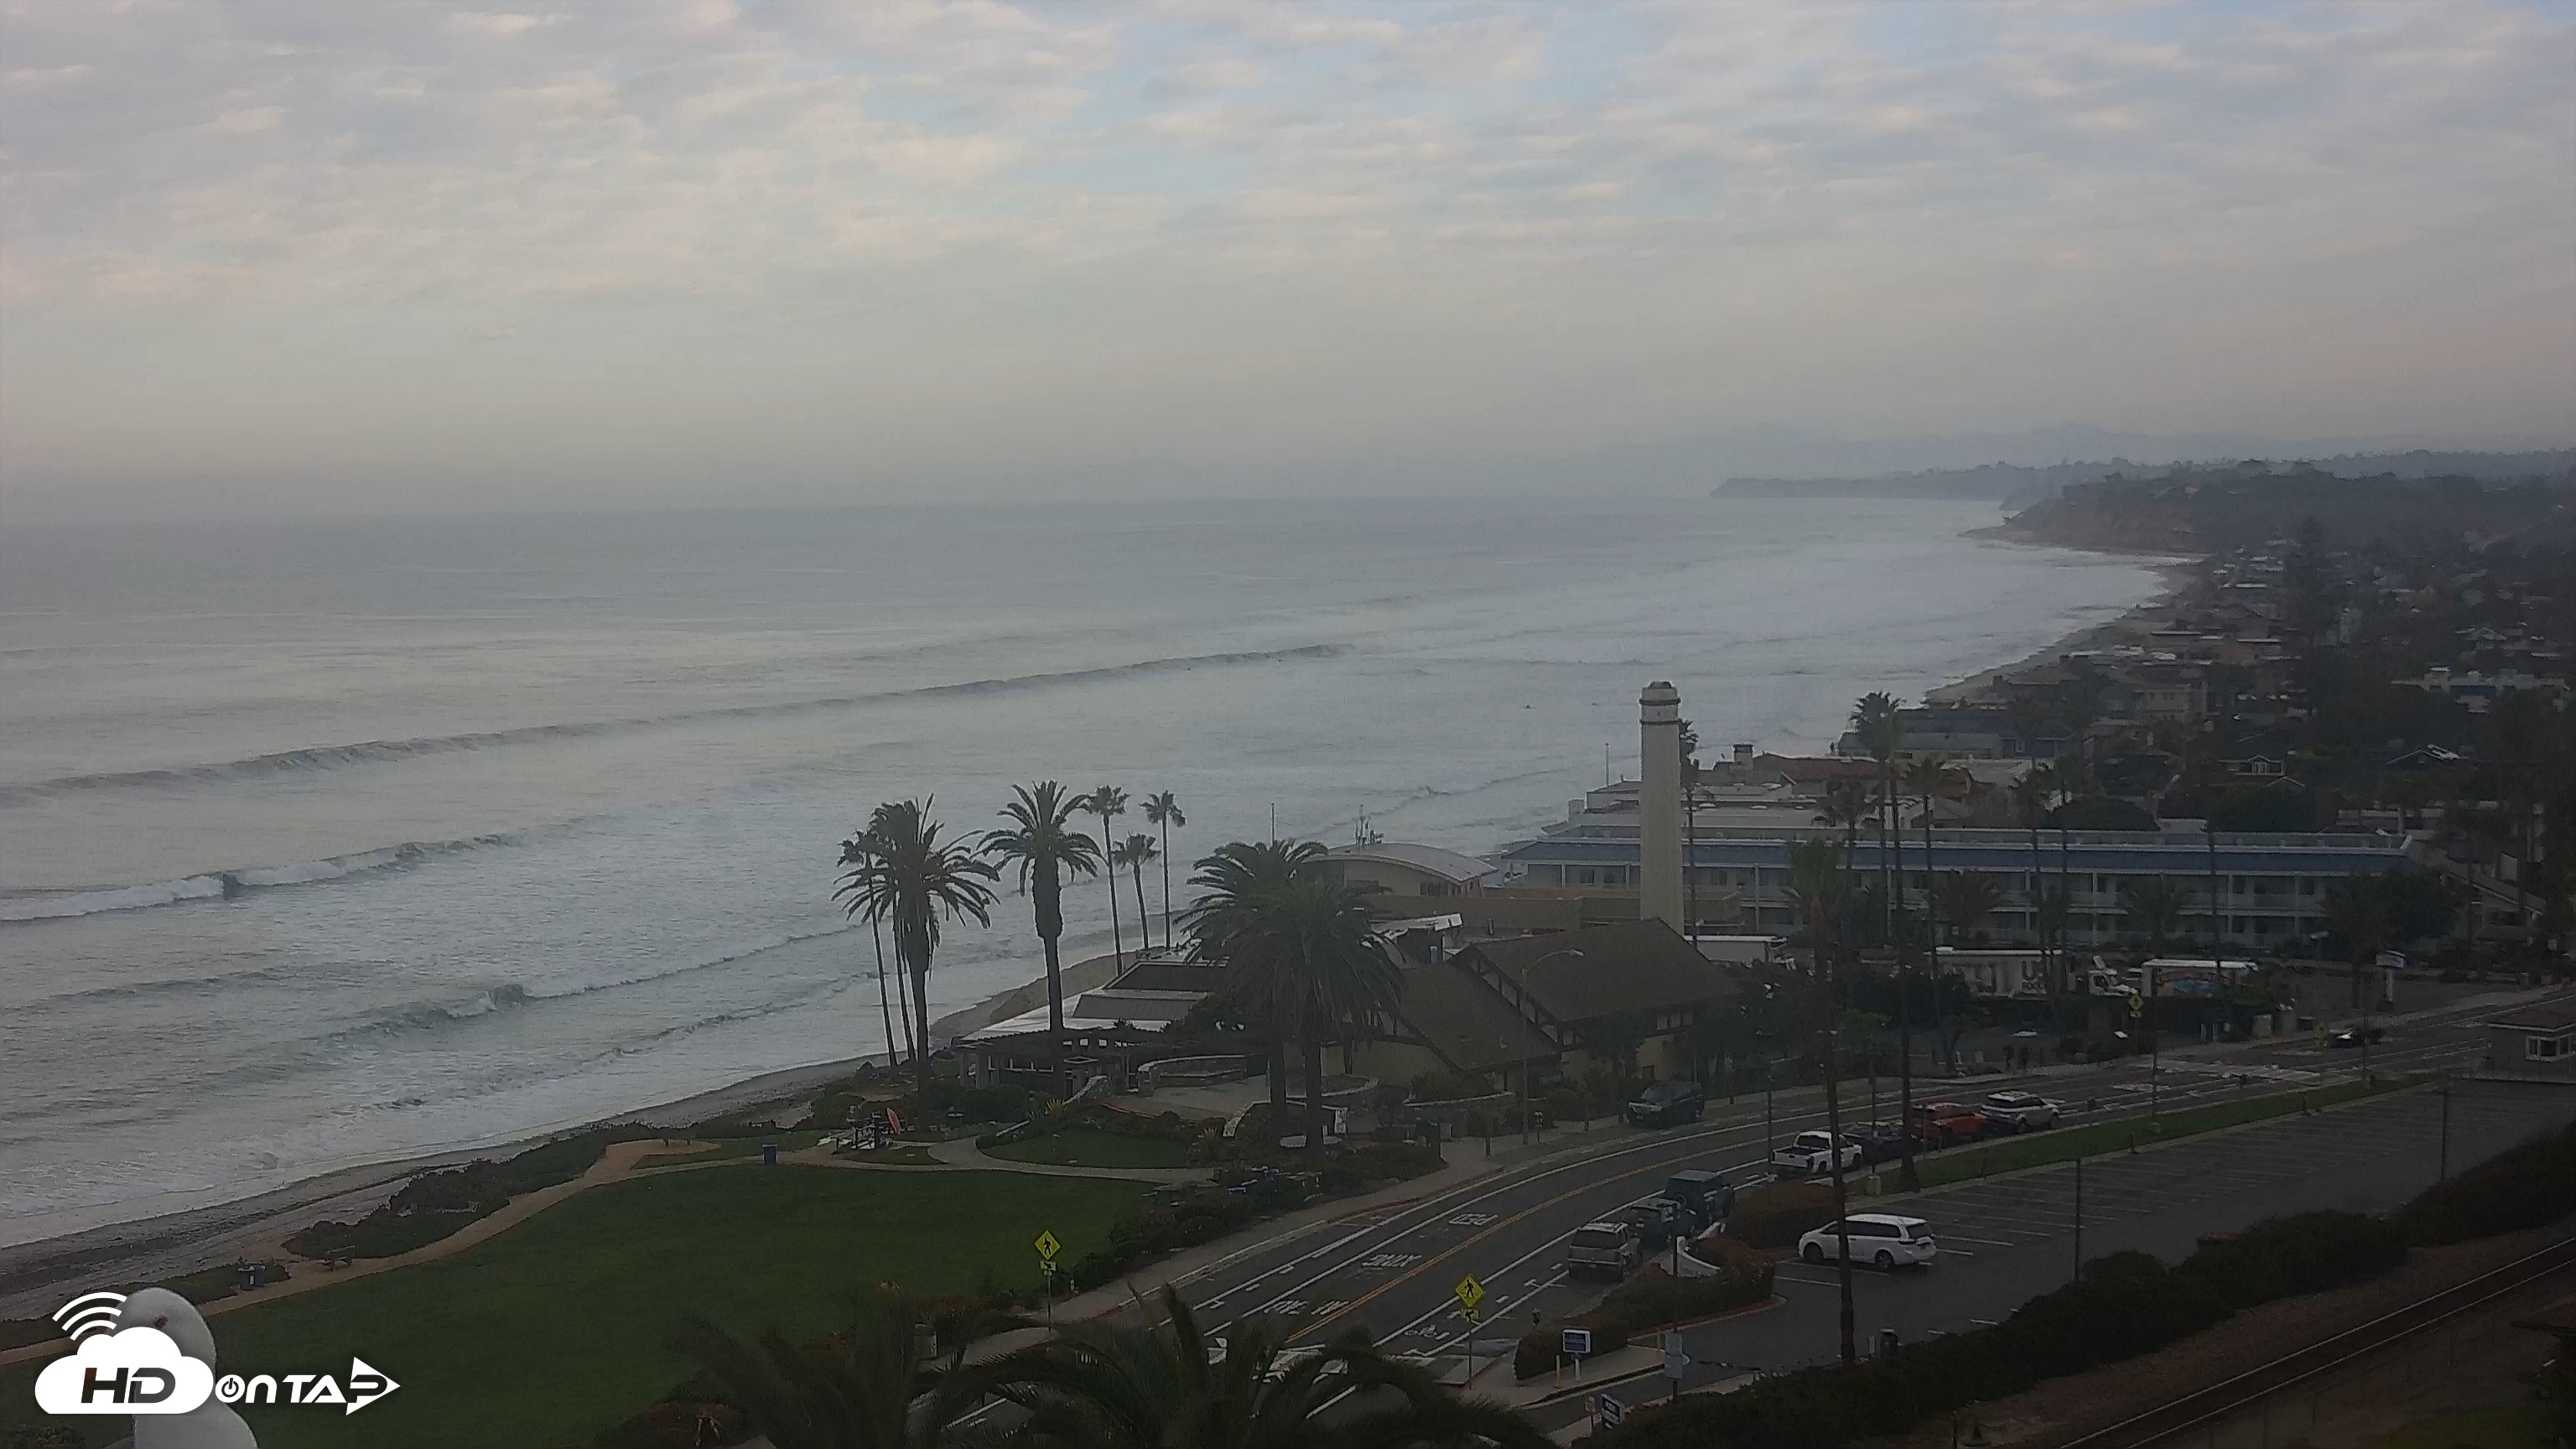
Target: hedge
{"points": [[1777, 1214], [2121, 1306], [435, 1204], [2520, 1187], [1537, 1352], [1654, 1297]]}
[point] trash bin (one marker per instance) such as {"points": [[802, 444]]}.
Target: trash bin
{"points": [[769, 1154]]}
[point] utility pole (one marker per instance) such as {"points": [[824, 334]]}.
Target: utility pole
{"points": [[2079, 1217], [2446, 1125]]}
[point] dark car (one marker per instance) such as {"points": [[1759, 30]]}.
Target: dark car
{"points": [[1665, 1103], [2353, 1036], [1654, 1220], [1879, 1141]]}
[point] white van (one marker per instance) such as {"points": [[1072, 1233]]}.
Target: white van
{"points": [[1878, 1239]]}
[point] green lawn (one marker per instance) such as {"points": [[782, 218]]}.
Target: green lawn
{"points": [[2064, 1144], [551, 1332], [1082, 1147]]}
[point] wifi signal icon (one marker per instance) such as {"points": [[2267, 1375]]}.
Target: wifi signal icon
{"points": [[89, 1313]]}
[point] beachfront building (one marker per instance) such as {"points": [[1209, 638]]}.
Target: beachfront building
{"points": [[1550, 1007], [2271, 887], [1404, 870]]}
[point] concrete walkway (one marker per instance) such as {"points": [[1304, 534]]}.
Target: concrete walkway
{"points": [[962, 1152]]}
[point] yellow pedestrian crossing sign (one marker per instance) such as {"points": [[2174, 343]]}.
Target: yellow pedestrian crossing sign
{"points": [[1048, 1247], [1469, 1292]]}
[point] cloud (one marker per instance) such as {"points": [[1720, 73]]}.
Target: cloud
{"points": [[130, 1371], [1897, 218]]}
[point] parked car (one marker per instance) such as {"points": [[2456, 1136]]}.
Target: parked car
{"points": [[1608, 1248], [1878, 1239], [1945, 1124], [2020, 1112], [1878, 1141], [1668, 1103], [1812, 1154], [1655, 1220], [1704, 1198], [2353, 1036]]}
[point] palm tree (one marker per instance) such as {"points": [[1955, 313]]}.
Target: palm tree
{"points": [[1881, 727], [855, 1394], [1109, 802], [1167, 1384], [1132, 853], [1320, 945], [1967, 898], [924, 881], [2155, 908], [1046, 850], [1223, 924], [1163, 812], [1847, 805], [2031, 800], [1818, 889], [855, 892]]}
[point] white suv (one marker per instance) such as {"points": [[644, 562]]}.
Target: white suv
{"points": [[1876, 1238], [2020, 1111]]}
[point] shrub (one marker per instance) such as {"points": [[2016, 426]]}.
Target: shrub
{"points": [[1654, 1297], [1536, 1353], [2305, 1253], [2520, 1187], [1775, 1215]]}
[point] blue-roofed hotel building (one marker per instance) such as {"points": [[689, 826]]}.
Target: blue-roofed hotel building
{"points": [[2271, 887]]}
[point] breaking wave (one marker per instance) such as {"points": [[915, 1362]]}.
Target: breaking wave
{"points": [[225, 884], [374, 752]]}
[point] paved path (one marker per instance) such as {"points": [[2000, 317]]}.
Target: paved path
{"points": [[962, 1152]]}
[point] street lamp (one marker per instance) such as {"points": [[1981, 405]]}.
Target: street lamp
{"points": [[1526, 1028]]}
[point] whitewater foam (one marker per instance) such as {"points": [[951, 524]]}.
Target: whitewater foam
{"points": [[65, 905]]}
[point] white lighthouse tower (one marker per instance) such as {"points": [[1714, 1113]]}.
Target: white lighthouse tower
{"points": [[1659, 805]]}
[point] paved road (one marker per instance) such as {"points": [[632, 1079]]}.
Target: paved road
{"points": [[1393, 1271]]}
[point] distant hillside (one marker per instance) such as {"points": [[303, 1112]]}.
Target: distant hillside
{"points": [[2201, 510], [2019, 485]]}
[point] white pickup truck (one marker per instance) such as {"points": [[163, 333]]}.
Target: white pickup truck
{"points": [[1811, 1154]]}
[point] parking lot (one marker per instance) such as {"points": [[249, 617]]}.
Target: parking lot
{"points": [[2004, 1242]]}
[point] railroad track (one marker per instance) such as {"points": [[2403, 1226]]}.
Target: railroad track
{"points": [[2206, 1407]]}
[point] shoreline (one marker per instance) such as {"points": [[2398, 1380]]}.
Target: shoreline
{"points": [[35, 1274], [178, 1240]]}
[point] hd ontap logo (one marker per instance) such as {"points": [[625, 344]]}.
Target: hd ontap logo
{"points": [[141, 1369]]}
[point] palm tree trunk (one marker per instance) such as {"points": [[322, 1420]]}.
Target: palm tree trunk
{"points": [[1278, 1088], [885, 1007], [1144, 938], [921, 1024], [895, 1046], [1315, 1088], [1117, 948], [1055, 984], [1167, 884]]}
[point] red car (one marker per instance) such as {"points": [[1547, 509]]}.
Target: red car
{"points": [[1945, 1124]]}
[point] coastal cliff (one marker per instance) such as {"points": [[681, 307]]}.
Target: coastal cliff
{"points": [[2208, 510]]}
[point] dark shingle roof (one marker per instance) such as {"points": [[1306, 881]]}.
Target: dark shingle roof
{"points": [[1465, 1022], [1630, 967]]}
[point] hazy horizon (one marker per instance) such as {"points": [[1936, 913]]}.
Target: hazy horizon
{"points": [[681, 253]]}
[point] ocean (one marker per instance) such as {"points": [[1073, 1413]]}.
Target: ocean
{"points": [[330, 842]]}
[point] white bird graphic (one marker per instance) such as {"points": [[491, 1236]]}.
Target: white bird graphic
{"points": [[211, 1425]]}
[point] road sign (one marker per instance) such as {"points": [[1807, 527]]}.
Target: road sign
{"points": [[1048, 1247], [2137, 1004], [1676, 1361], [1469, 1292], [1612, 1412], [1575, 1342]]}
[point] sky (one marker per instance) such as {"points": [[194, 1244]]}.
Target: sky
{"points": [[273, 256]]}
